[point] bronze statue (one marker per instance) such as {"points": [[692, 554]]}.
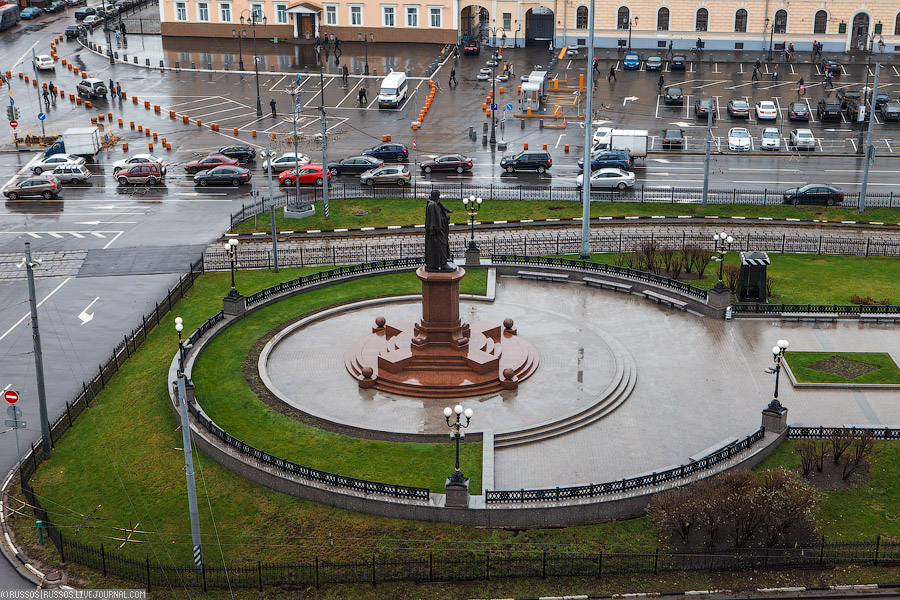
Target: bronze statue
{"points": [[437, 235]]}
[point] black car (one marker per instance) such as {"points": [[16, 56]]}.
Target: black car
{"points": [[890, 111], [55, 6], [354, 165], [853, 109], [702, 107], [73, 31], [828, 110], [674, 95], [389, 151], [831, 64], [608, 158], [880, 99], [813, 193], [798, 111], [224, 175], [471, 47], [679, 62], [243, 154], [672, 138], [527, 160], [81, 13], [845, 95]]}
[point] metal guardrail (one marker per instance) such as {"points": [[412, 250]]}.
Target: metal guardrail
{"points": [[824, 433], [830, 309]]}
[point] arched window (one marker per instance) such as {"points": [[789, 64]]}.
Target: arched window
{"points": [[623, 17], [662, 19], [740, 21], [820, 23], [581, 18], [897, 25], [702, 20], [780, 21]]}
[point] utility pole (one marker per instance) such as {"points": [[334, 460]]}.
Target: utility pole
{"points": [[588, 139], [862, 117], [37, 90], [38, 355], [272, 210], [295, 94], [181, 386], [324, 142], [709, 122], [870, 149]]}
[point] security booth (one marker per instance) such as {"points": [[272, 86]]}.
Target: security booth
{"points": [[752, 280], [542, 78], [530, 97]]}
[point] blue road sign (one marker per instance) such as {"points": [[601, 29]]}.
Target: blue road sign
{"points": [[41, 116], [298, 99], [493, 106], [509, 106], [11, 101]]}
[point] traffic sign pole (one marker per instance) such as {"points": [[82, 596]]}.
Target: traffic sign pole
{"points": [[15, 413]]}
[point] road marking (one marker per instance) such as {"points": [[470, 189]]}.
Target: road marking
{"points": [[28, 314], [84, 315], [559, 139]]}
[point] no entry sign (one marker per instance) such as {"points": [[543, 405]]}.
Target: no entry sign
{"points": [[11, 396]]}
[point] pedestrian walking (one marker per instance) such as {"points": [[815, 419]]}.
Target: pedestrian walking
{"points": [[337, 46], [596, 65], [758, 65], [699, 44], [829, 80], [670, 52], [612, 74], [122, 28], [755, 74], [46, 99], [119, 91], [661, 83], [318, 42], [112, 88], [815, 49], [453, 80], [791, 50], [801, 91], [53, 92], [346, 73], [775, 74], [272, 104], [362, 95], [325, 40], [118, 38]]}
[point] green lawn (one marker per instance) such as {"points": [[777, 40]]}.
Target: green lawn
{"points": [[375, 212], [887, 372]]}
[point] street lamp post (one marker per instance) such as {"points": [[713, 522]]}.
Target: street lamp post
{"points": [[252, 20], [495, 60], [778, 351], [630, 23], [109, 50], [231, 249], [181, 387], [456, 433], [234, 34], [472, 205], [721, 242], [364, 38]]}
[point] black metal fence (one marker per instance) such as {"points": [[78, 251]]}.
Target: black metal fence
{"points": [[824, 433], [849, 310]]}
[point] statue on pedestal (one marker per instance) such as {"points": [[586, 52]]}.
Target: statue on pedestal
{"points": [[437, 235]]}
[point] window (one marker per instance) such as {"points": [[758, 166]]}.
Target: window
{"points": [[820, 22], [507, 21], [780, 24], [740, 21], [387, 16], [281, 14], [702, 20], [434, 15], [662, 19], [257, 12], [356, 15], [225, 13], [623, 17], [412, 16], [331, 15], [180, 11], [203, 11], [581, 18]]}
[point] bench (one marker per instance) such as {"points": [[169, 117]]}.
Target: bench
{"points": [[607, 285], [879, 318], [661, 299], [814, 317], [543, 276], [714, 448]]}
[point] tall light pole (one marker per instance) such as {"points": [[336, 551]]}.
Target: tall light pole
{"points": [[778, 351], [231, 249], [870, 149], [365, 38], [721, 242], [29, 265], [295, 94], [630, 22], [495, 60], [181, 386], [588, 138], [252, 19], [472, 205], [234, 34], [457, 433]]}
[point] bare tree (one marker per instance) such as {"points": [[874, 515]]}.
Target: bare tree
{"points": [[665, 256], [674, 510], [702, 261], [688, 257], [710, 509], [676, 267], [861, 451], [770, 287], [741, 497], [787, 500], [808, 450], [731, 274], [840, 440]]}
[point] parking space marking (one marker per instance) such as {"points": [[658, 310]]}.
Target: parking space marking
{"points": [[812, 119], [895, 71], [888, 144], [274, 87], [793, 72], [715, 67], [844, 71], [658, 98]]}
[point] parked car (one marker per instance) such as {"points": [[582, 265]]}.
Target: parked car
{"points": [[802, 138], [608, 178], [674, 95], [288, 160], [91, 87], [845, 95], [738, 108], [739, 139], [828, 110], [672, 138], [389, 151], [890, 111], [527, 160], [224, 175], [92, 21], [831, 64], [471, 47], [632, 61], [243, 154], [55, 6], [448, 162], [44, 62], [608, 158], [771, 139], [813, 193], [702, 106], [72, 31], [45, 186], [75, 2], [354, 165], [31, 12], [798, 111], [209, 162], [880, 99], [54, 160], [134, 159], [147, 173], [853, 108], [72, 173], [398, 174], [602, 138], [678, 62], [654, 63], [765, 109], [307, 174], [84, 12]]}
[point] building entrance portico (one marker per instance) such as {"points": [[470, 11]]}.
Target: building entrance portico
{"points": [[859, 34]]}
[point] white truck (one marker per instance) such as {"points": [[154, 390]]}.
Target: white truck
{"points": [[632, 140], [80, 141]]}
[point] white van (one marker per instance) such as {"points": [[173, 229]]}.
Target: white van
{"points": [[393, 90]]}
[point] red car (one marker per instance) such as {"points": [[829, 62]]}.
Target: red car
{"points": [[308, 174], [211, 161], [448, 162]]}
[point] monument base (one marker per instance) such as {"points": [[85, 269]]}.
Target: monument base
{"points": [[457, 493]]}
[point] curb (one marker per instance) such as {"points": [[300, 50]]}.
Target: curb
{"points": [[9, 549], [865, 587]]}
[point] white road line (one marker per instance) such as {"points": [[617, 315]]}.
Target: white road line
{"points": [[275, 85], [112, 240], [28, 314], [219, 112], [559, 140]]}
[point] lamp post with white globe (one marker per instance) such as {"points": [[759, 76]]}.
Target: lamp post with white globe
{"points": [[457, 433], [778, 351], [721, 241]]}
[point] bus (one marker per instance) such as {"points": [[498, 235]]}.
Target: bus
{"points": [[9, 16]]}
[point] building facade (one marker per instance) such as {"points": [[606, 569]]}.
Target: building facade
{"points": [[736, 25]]}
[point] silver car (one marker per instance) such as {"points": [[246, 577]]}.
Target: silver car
{"points": [[608, 177], [771, 139], [387, 174], [803, 138], [286, 161], [72, 173], [55, 160]]}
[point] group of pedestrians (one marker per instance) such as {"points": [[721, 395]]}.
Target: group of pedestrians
{"points": [[120, 34]]}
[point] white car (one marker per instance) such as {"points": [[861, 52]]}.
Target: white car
{"points": [[286, 161], [92, 21], [771, 139], [72, 173], [739, 139], [44, 62], [135, 159], [602, 138], [803, 138], [54, 160], [609, 177], [766, 109]]}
